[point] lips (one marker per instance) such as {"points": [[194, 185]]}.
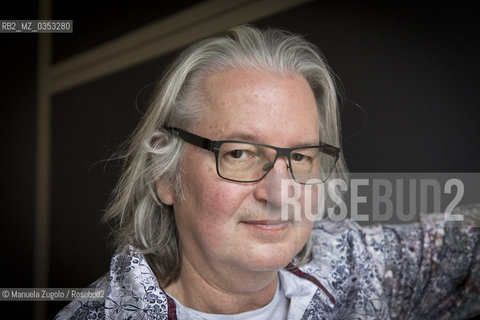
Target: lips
{"points": [[267, 224]]}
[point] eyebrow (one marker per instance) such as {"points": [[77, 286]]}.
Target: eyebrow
{"points": [[248, 137], [243, 136]]}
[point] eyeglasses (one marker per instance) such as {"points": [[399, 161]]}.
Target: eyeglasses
{"points": [[243, 161]]}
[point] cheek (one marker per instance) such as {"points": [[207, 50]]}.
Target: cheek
{"points": [[208, 216], [208, 196]]}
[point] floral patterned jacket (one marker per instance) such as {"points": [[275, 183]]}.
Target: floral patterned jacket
{"points": [[425, 270]]}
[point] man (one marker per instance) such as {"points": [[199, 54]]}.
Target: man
{"points": [[201, 229]]}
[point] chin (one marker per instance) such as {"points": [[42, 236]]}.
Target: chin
{"points": [[269, 259]]}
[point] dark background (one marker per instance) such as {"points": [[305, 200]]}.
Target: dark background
{"points": [[408, 70]]}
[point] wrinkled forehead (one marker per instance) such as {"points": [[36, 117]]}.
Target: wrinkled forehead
{"points": [[260, 104]]}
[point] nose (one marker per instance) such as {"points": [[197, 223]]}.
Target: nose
{"points": [[278, 164], [268, 189]]}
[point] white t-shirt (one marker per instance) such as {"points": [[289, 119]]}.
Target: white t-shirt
{"points": [[279, 308]]}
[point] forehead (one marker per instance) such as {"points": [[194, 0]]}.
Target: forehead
{"points": [[260, 104]]}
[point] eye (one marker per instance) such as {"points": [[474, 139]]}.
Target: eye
{"points": [[299, 157], [237, 154]]}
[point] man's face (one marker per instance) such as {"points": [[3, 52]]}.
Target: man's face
{"points": [[223, 223]]}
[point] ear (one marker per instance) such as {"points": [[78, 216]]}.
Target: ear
{"points": [[164, 191]]}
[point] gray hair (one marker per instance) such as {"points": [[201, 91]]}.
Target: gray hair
{"points": [[141, 219]]}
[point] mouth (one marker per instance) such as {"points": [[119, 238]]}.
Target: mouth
{"points": [[267, 225]]}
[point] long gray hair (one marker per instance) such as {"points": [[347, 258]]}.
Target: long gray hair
{"points": [[141, 220]]}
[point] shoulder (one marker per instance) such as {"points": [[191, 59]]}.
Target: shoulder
{"points": [[133, 288], [336, 239], [130, 287], [347, 259], [87, 309]]}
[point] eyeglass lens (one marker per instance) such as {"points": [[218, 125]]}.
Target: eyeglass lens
{"points": [[249, 162]]}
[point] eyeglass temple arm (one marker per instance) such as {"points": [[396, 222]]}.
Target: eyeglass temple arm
{"points": [[192, 138], [331, 151]]}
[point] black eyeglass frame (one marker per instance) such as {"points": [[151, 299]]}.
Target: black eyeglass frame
{"points": [[214, 146]]}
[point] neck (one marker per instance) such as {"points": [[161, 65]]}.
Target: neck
{"points": [[224, 292]]}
